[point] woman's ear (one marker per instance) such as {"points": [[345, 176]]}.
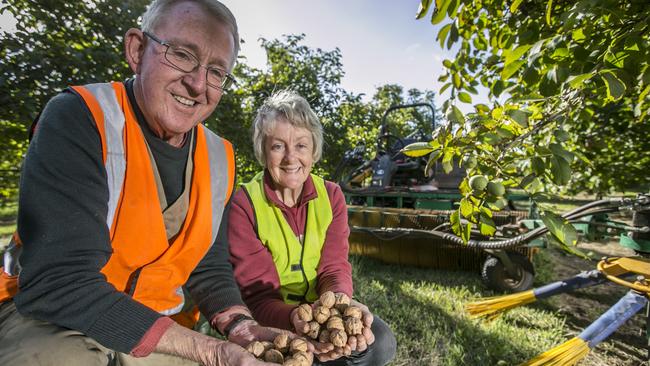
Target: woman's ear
{"points": [[134, 48]]}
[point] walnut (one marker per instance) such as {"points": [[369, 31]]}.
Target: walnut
{"points": [[298, 345], [281, 343], [292, 362], [324, 336], [342, 301], [334, 312], [305, 313], [256, 348], [314, 327], [338, 337], [353, 326], [335, 323], [267, 345], [321, 314], [328, 299], [304, 358], [274, 356], [353, 311]]}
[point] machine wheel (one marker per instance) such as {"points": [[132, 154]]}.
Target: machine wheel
{"points": [[496, 276]]}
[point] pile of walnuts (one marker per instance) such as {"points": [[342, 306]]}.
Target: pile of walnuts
{"points": [[282, 351], [332, 319]]}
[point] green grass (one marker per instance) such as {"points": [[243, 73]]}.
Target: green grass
{"points": [[424, 307]]}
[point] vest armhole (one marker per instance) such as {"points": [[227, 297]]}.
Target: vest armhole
{"points": [[97, 113], [230, 157], [250, 200]]}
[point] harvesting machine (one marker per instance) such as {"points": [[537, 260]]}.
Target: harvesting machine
{"points": [[400, 214]]}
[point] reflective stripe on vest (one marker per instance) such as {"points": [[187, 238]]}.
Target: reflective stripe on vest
{"points": [[137, 232], [296, 264]]}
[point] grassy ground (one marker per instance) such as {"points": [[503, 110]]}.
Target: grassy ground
{"points": [[425, 308]]}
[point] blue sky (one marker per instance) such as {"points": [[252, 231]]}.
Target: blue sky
{"points": [[380, 40]]}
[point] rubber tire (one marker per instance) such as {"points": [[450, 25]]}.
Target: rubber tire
{"points": [[496, 277]]}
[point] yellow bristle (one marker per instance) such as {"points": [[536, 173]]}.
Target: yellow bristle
{"points": [[492, 307], [566, 354]]}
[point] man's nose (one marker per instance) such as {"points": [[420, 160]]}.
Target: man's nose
{"points": [[197, 80]]}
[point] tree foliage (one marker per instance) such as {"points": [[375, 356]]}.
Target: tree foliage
{"points": [[570, 86], [56, 44], [59, 43]]}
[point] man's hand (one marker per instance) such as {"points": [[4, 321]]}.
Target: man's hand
{"points": [[185, 343], [230, 354], [249, 330]]}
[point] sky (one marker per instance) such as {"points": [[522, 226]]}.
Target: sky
{"points": [[381, 42]]}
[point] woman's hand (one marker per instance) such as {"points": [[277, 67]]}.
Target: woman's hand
{"points": [[361, 342], [302, 327], [334, 353]]}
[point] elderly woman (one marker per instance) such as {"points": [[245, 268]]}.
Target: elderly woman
{"points": [[288, 233]]}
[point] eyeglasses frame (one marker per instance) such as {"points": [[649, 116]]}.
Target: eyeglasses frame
{"points": [[228, 76]]}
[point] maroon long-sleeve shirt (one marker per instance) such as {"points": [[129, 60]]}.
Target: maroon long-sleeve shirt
{"points": [[254, 269]]}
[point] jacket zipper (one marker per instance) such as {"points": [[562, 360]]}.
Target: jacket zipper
{"points": [[302, 253]]}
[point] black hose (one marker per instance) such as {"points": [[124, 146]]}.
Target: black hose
{"points": [[496, 244]]}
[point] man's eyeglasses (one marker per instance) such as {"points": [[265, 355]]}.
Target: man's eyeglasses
{"points": [[185, 61]]}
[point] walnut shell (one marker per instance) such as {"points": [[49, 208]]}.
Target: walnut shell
{"points": [[328, 299], [292, 362], [304, 358], [267, 345], [335, 323], [342, 302], [338, 337], [298, 345], [256, 348], [305, 313], [342, 298], [324, 336], [334, 312], [314, 328], [353, 326], [321, 314], [281, 343], [353, 311], [274, 356]]}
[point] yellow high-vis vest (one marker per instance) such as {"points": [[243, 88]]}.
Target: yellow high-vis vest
{"points": [[296, 263]]}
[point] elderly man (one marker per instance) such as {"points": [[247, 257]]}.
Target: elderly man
{"points": [[121, 227]]}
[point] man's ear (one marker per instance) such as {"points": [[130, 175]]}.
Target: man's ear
{"points": [[134, 48]]}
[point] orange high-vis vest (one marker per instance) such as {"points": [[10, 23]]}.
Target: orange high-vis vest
{"points": [[144, 263]]}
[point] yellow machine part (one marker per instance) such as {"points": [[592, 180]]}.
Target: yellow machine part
{"points": [[612, 268], [413, 250]]}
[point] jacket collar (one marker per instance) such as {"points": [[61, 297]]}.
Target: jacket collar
{"points": [[308, 192]]}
